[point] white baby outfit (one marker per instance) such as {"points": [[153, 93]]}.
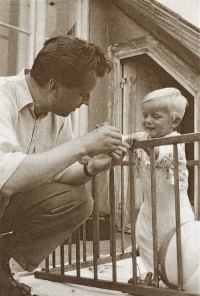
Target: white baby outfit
{"points": [[165, 197]]}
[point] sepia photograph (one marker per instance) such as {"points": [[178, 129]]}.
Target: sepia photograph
{"points": [[99, 147]]}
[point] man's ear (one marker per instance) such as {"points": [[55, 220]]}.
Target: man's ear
{"points": [[53, 85], [176, 122]]}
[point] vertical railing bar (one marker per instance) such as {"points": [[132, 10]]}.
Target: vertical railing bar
{"points": [[62, 260], [154, 217], [95, 226], [132, 160], [70, 250], [198, 195], [54, 259], [110, 206], [84, 242], [113, 228], [47, 264], [122, 210], [97, 216], [78, 263], [197, 183], [178, 219]]}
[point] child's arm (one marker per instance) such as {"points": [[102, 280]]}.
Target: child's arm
{"points": [[136, 137]]}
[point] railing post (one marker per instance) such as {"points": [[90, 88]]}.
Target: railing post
{"points": [[78, 265], [197, 201], [178, 219], [95, 226], [62, 259], [70, 249], [122, 209], [47, 264], [113, 228], [54, 259], [132, 157], [84, 242], [154, 217]]}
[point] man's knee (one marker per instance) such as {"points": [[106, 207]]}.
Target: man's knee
{"points": [[74, 206], [62, 206]]}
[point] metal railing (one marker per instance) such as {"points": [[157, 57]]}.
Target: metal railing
{"points": [[59, 273]]}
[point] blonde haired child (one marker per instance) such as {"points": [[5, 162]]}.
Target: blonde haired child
{"points": [[162, 112]]}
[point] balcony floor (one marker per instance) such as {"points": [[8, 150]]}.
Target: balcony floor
{"points": [[48, 288]]}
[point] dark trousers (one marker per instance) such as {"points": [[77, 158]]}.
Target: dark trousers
{"points": [[36, 222]]}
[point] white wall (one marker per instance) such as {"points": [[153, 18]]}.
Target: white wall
{"points": [[187, 9]]}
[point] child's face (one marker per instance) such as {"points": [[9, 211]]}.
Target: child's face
{"points": [[157, 121]]}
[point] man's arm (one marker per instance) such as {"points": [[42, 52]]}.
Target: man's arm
{"points": [[39, 168], [75, 175]]}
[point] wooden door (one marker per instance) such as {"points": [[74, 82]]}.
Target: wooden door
{"points": [[142, 75], [139, 80]]}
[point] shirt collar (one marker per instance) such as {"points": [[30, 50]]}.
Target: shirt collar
{"points": [[23, 95]]}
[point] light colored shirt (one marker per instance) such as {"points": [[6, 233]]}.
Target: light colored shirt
{"points": [[164, 161], [21, 133]]}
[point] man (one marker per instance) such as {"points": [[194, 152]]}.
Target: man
{"points": [[41, 199]]}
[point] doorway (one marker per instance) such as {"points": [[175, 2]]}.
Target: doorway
{"points": [[143, 75]]}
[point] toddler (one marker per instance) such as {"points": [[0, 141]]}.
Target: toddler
{"points": [[162, 112]]}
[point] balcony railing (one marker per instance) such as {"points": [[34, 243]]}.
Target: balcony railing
{"points": [[58, 273]]}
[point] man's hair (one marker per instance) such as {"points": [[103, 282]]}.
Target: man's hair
{"points": [[68, 60], [169, 98]]}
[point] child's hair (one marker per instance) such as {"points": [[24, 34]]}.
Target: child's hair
{"points": [[170, 98]]}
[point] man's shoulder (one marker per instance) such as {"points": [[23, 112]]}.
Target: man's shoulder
{"points": [[8, 82], [14, 92], [6, 87], [13, 78], [4, 80]]}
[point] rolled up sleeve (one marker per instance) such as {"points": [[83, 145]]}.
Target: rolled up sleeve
{"points": [[9, 162], [10, 151]]}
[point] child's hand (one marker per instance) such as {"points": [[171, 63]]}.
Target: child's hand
{"points": [[133, 137], [129, 139]]}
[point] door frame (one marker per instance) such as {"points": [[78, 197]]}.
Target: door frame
{"points": [[175, 66], [171, 63]]}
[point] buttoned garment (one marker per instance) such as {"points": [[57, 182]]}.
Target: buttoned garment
{"points": [[34, 222], [21, 133]]}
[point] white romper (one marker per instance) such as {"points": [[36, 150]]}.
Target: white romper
{"points": [[165, 197]]}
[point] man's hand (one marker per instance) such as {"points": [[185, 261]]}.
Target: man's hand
{"points": [[105, 139], [102, 162], [99, 164], [117, 157]]}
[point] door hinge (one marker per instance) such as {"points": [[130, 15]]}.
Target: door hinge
{"points": [[123, 81]]}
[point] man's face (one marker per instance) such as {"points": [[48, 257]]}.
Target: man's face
{"points": [[67, 100]]}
